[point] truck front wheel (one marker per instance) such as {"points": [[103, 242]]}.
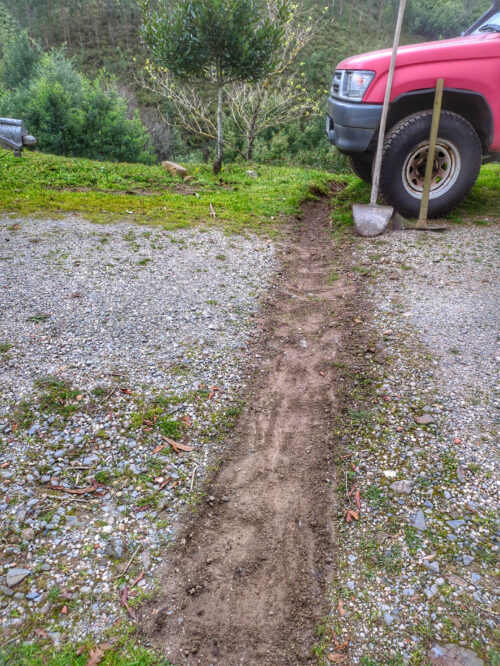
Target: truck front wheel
{"points": [[456, 165]]}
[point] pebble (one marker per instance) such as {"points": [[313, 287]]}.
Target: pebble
{"points": [[419, 521], [453, 655], [16, 576], [404, 487]]}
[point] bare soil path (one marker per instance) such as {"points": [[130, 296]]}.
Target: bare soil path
{"points": [[248, 582]]}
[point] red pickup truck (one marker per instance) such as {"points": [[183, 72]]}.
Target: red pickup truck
{"points": [[469, 131]]}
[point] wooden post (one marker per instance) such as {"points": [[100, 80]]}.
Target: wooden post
{"points": [[436, 115]]}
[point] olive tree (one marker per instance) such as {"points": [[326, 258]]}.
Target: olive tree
{"points": [[216, 41]]}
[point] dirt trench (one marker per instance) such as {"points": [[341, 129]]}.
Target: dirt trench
{"points": [[248, 581]]}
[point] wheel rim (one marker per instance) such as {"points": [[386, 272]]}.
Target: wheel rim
{"points": [[447, 165]]}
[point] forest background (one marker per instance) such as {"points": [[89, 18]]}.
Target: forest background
{"points": [[75, 72]]}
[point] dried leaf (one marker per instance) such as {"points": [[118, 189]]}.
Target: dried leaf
{"points": [[357, 499], [96, 655], [177, 447], [123, 601], [159, 448], [64, 610], [212, 212], [348, 517], [127, 391], [354, 514], [4, 465], [353, 467], [337, 658], [343, 646], [341, 608], [41, 633], [139, 578]]}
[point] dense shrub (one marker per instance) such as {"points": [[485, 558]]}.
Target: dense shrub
{"points": [[444, 19], [68, 114]]}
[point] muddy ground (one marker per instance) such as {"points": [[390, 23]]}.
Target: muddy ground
{"points": [[248, 582]]}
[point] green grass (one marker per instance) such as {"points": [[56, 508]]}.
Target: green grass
{"points": [[44, 655], [109, 192], [58, 397], [483, 201]]}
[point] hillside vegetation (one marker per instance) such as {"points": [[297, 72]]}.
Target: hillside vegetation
{"points": [[105, 34]]}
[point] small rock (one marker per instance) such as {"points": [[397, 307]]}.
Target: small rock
{"points": [[467, 560], [453, 655], [425, 419], [115, 548], [388, 618], [431, 591], [456, 580], [404, 487], [432, 566], [419, 521], [28, 534], [455, 524], [16, 576], [252, 173], [6, 590], [175, 169]]}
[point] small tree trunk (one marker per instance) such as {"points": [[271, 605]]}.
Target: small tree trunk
{"points": [[250, 142], [220, 131], [252, 133]]}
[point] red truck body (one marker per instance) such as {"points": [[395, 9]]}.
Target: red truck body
{"points": [[469, 129], [468, 63]]}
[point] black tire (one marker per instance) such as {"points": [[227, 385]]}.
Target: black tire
{"points": [[458, 160], [362, 168]]}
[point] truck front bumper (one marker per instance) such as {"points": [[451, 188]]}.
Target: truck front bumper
{"points": [[352, 126]]}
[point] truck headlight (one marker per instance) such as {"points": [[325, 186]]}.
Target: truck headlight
{"points": [[351, 84]]}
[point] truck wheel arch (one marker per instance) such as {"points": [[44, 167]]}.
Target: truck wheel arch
{"points": [[471, 105]]}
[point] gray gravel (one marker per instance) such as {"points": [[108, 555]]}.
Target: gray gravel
{"points": [[140, 325], [421, 566]]}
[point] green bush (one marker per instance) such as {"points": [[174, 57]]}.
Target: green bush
{"points": [[69, 114], [447, 18]]}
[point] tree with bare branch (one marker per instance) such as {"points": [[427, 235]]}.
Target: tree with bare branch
{"points": [[219, 42]]}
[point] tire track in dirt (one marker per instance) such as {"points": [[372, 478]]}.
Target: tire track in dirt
{"points": [[248, 582]]}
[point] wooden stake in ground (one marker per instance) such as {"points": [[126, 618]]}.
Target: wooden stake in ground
{"points": [[436, 116]]}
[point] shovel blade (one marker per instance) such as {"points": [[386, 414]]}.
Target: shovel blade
{"points": [[370, 219]]}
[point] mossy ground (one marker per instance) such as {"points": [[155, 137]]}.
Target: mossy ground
{"points": [[40, 184]]}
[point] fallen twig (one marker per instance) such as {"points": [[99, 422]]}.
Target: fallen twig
{"points": [[128, 564], [125, 604], [192, 479]]}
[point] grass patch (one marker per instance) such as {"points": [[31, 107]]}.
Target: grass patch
{"points": [[483, 201], [45, 655], [109, 192], [58, 397]]}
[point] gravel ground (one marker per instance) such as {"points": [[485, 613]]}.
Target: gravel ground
{"points": [[114, 340], [419, 569]]}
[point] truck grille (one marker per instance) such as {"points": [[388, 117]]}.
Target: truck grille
{"points": [[337, 80]]}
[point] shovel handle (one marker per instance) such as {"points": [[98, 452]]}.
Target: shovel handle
{"points": [[385, 108]]}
